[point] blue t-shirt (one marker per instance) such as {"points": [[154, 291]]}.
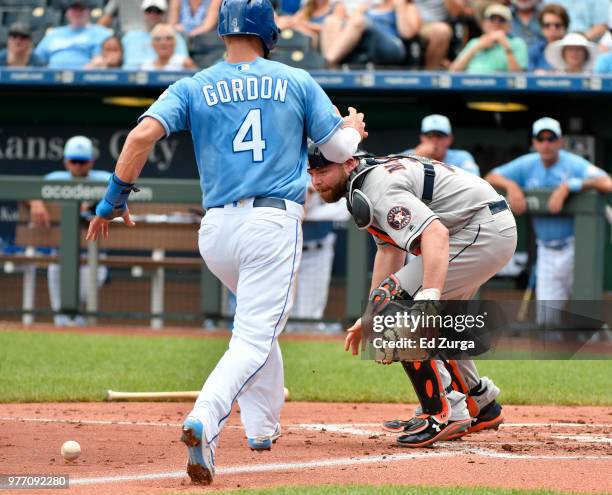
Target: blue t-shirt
{"points": [[249, 123], [529, 172], [386, 21], [537, 60], [93, 175], [138, 48], [68, 48], [603, 65], [458, 158], [530, 33]]}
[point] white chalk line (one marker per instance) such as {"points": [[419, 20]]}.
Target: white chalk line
{"points": [[326, 463], [309, 426]]}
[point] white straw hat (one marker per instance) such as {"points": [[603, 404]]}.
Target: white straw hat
{"points": [[554, 51]]}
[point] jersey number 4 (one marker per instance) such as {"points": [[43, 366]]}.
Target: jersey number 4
{"points": [[250, 128]]}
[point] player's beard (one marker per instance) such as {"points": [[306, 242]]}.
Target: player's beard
{"points": [[337, 191]]}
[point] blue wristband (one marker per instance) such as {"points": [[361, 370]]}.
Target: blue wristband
{"points": [[574, 184], [116, 197]]}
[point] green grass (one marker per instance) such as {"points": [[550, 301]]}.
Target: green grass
{"points": [[69, 367], [388, 490]]}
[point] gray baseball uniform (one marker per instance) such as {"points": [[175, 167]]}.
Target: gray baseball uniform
{"points": [[482, 230]]}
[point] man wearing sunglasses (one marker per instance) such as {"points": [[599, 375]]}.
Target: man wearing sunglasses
{"points": [[495, 50], [78, 163], [550, 167], [18, 52], [554, 21]]}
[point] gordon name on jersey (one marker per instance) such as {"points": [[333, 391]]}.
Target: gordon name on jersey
{"points": [[248, 89]]}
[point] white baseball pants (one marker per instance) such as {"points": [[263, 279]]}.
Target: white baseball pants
{"points": [[256, 253]]}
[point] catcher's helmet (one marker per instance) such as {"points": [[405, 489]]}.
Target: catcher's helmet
{"points": [[317, 160], [254, 17]]}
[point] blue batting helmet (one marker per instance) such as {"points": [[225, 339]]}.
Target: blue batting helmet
{"points": [[253, 17]]}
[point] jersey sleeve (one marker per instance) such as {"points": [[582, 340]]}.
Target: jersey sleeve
{"points": [[172, 108], [402, 216], [585, 170], [468, 163], [515, 170], [321, 118]]}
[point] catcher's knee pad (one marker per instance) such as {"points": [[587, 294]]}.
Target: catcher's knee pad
{"points": [[428, 386]]}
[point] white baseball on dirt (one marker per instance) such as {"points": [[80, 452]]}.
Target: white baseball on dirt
{"points": [[286, 393], [70, 450]]}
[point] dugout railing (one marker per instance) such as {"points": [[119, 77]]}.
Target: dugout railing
{"points": [[588, 210]]}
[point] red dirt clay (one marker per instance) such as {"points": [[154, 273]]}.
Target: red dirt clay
{"points": [[568, 448]]}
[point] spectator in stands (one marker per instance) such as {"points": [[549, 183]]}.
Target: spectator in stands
{"points": [[128, 12], [309, 19], [111, 56], [603, 65], [18, 51], [79, 163], [586, 16], [74, 45], [494, 51], [138, 45], [574, 54], [194, 17], [435, 31], [376, 28], [525, 24], [554, 22], [550, 167], [436, 140], [164, 43]]}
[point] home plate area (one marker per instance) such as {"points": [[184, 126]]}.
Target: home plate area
{"points": [[135, 448]]}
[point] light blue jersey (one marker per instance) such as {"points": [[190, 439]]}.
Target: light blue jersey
{"points": [[529, 173], [249, 123], [69, 48], [458, 158], [93, 175]]}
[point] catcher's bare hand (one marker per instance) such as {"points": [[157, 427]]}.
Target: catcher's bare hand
{"points": [[353, 338], [355, 120], [98, 227]]}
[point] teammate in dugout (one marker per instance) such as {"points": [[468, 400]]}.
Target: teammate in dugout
{"points": [[464, 232], [249, 119]]}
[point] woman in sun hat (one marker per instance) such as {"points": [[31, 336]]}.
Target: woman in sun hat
{"points": [[573, 54]]}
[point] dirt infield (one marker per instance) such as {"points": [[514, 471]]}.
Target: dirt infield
{"points": [[133, 448]]}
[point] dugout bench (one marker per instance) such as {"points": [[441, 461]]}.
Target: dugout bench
{"points": [[162, 228]]}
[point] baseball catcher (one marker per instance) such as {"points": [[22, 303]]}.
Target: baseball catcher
{"points": [[462, 233]]}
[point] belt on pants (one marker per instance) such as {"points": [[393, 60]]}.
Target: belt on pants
{"points": [[312, 246], [261, 203], [498, 206], [556, 245]]}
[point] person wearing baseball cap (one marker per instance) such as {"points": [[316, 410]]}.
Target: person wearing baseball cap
{"points": [[138, 43], [79, 159], [564, 173], [435, 140], [74, 45], [495, 50], [18, 52]]}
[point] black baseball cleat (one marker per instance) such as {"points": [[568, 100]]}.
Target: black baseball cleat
{"points": [[424, 431], [489, 417]]}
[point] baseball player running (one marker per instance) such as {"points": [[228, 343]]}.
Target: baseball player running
{"points": [[249, 119], [464, 233]]}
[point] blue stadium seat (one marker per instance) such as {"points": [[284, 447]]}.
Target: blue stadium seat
{"points": [[206, 43], [3, 36], [293, 40], [22, 3], [307, 60], [204, 60], [38, 17]]}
